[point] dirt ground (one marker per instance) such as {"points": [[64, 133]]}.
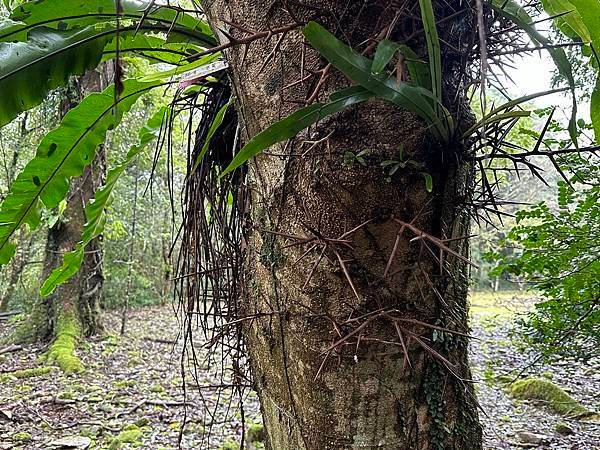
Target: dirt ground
{"points": [[132, 396]]}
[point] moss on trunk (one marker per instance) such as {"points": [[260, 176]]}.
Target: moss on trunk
{"points": [[62, 350]]}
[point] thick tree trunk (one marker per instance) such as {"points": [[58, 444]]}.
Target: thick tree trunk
{"points": [[340, 356], [73, 309]]}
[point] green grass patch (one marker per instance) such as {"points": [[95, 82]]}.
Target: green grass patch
{"points": [[501, 303]]}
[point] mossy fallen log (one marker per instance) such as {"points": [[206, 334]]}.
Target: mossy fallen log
{"points": [[25, 373]]}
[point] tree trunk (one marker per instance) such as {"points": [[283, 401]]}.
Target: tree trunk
{"points": [[344, 354], [18, 264], [20, 260], [72, 310]]}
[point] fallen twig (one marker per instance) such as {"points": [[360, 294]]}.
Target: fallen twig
{"points": [[11, 348]]}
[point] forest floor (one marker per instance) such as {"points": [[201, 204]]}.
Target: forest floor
{"points": [[131, 394]]}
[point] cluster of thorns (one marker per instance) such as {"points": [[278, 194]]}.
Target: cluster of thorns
{"points": [[332, 249]]}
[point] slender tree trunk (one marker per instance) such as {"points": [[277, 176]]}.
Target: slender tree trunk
{"points": [[18, 264], [73, 310], [339, 356], [20, 260]]}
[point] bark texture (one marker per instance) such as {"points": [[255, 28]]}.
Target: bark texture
{"points": [[365, 393]]}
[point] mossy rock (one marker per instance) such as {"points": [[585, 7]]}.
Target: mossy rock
{"points": [[131, 434], [21, 436], [563, 429], [144, 421], [550, 395]]}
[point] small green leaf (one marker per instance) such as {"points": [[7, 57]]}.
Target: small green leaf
{"points": [[428, 181], [383, 54], [214, 126]]}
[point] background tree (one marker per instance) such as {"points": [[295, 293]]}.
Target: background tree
{"points": [[73, 309], [557, 250]]}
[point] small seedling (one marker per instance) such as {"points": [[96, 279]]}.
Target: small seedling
{"points": [[392, 166], [351, 158]]}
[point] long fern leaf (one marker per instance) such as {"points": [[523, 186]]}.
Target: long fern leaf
{"points": [[63, 15], [95, 210], [62, 154]]}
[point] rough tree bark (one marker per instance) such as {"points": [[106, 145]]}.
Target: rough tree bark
{"points": [[365, 393], [72, 310], [18, 264]]}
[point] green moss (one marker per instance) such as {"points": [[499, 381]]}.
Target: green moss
{"points": [[124, 384], [563, 428], [131, 434], [157, 389], [66, 395], [62, 350], [270, 252], [26, 373], [230, 445], [142, 422], [504, 379], [133, 362], [550, 395], [256, 432], [21, 436]]}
